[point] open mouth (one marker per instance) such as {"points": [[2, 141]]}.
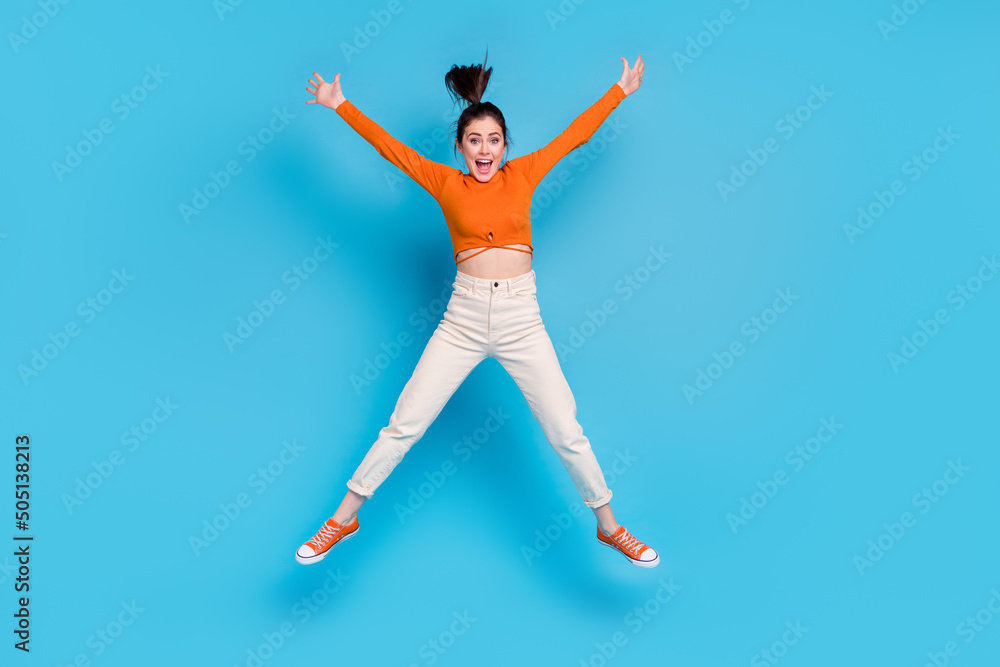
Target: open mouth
{"points": [[483, 166]]}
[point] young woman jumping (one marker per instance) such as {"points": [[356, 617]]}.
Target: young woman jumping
{"points": [[493, 310]]}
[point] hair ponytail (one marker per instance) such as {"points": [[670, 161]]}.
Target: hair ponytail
{"points": [[469, 83]]}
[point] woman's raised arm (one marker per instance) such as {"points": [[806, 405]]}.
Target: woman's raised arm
{"points": [[428, 174], [535, 165]]}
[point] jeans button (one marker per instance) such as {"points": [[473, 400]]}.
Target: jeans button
{"points": [[496, 284]]}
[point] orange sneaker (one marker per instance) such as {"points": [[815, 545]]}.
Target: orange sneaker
{"points": [[624, 543], [318, 546]]}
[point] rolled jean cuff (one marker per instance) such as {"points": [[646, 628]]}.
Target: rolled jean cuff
{"points": [[593, 504], [367, 493]]}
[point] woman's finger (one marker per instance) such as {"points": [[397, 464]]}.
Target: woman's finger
{"points": [[319, 77]]}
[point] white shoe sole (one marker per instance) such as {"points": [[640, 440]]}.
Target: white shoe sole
{"points": [[640, 563], [318, 557]]}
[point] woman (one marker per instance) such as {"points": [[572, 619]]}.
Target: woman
{"points": [[493, 310]]}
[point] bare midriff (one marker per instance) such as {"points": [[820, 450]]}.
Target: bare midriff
{"points": [[495, 262]]}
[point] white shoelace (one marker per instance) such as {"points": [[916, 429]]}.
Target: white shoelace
{"points": [[627, 541], [326, 533]]}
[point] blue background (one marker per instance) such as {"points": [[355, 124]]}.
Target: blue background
{"points": [[400, 584]]}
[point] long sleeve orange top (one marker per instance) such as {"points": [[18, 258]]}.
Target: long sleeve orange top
{"points": [[497, 212]]}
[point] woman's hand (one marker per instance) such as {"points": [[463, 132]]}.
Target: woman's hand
{"points": [[327, 94], [631, 78]]}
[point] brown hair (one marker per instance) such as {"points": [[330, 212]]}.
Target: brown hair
{"points": [[469, 84]]}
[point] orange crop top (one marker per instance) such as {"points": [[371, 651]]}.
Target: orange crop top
{"points": [[497, 212]]}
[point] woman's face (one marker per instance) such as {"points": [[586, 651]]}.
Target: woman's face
{"points": [[482, 147]]}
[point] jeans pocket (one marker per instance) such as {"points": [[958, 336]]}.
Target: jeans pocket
{"points": [[460, 289], [528, 292]]}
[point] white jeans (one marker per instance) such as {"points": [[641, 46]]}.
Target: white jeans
{"points": [[495, 317]]}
